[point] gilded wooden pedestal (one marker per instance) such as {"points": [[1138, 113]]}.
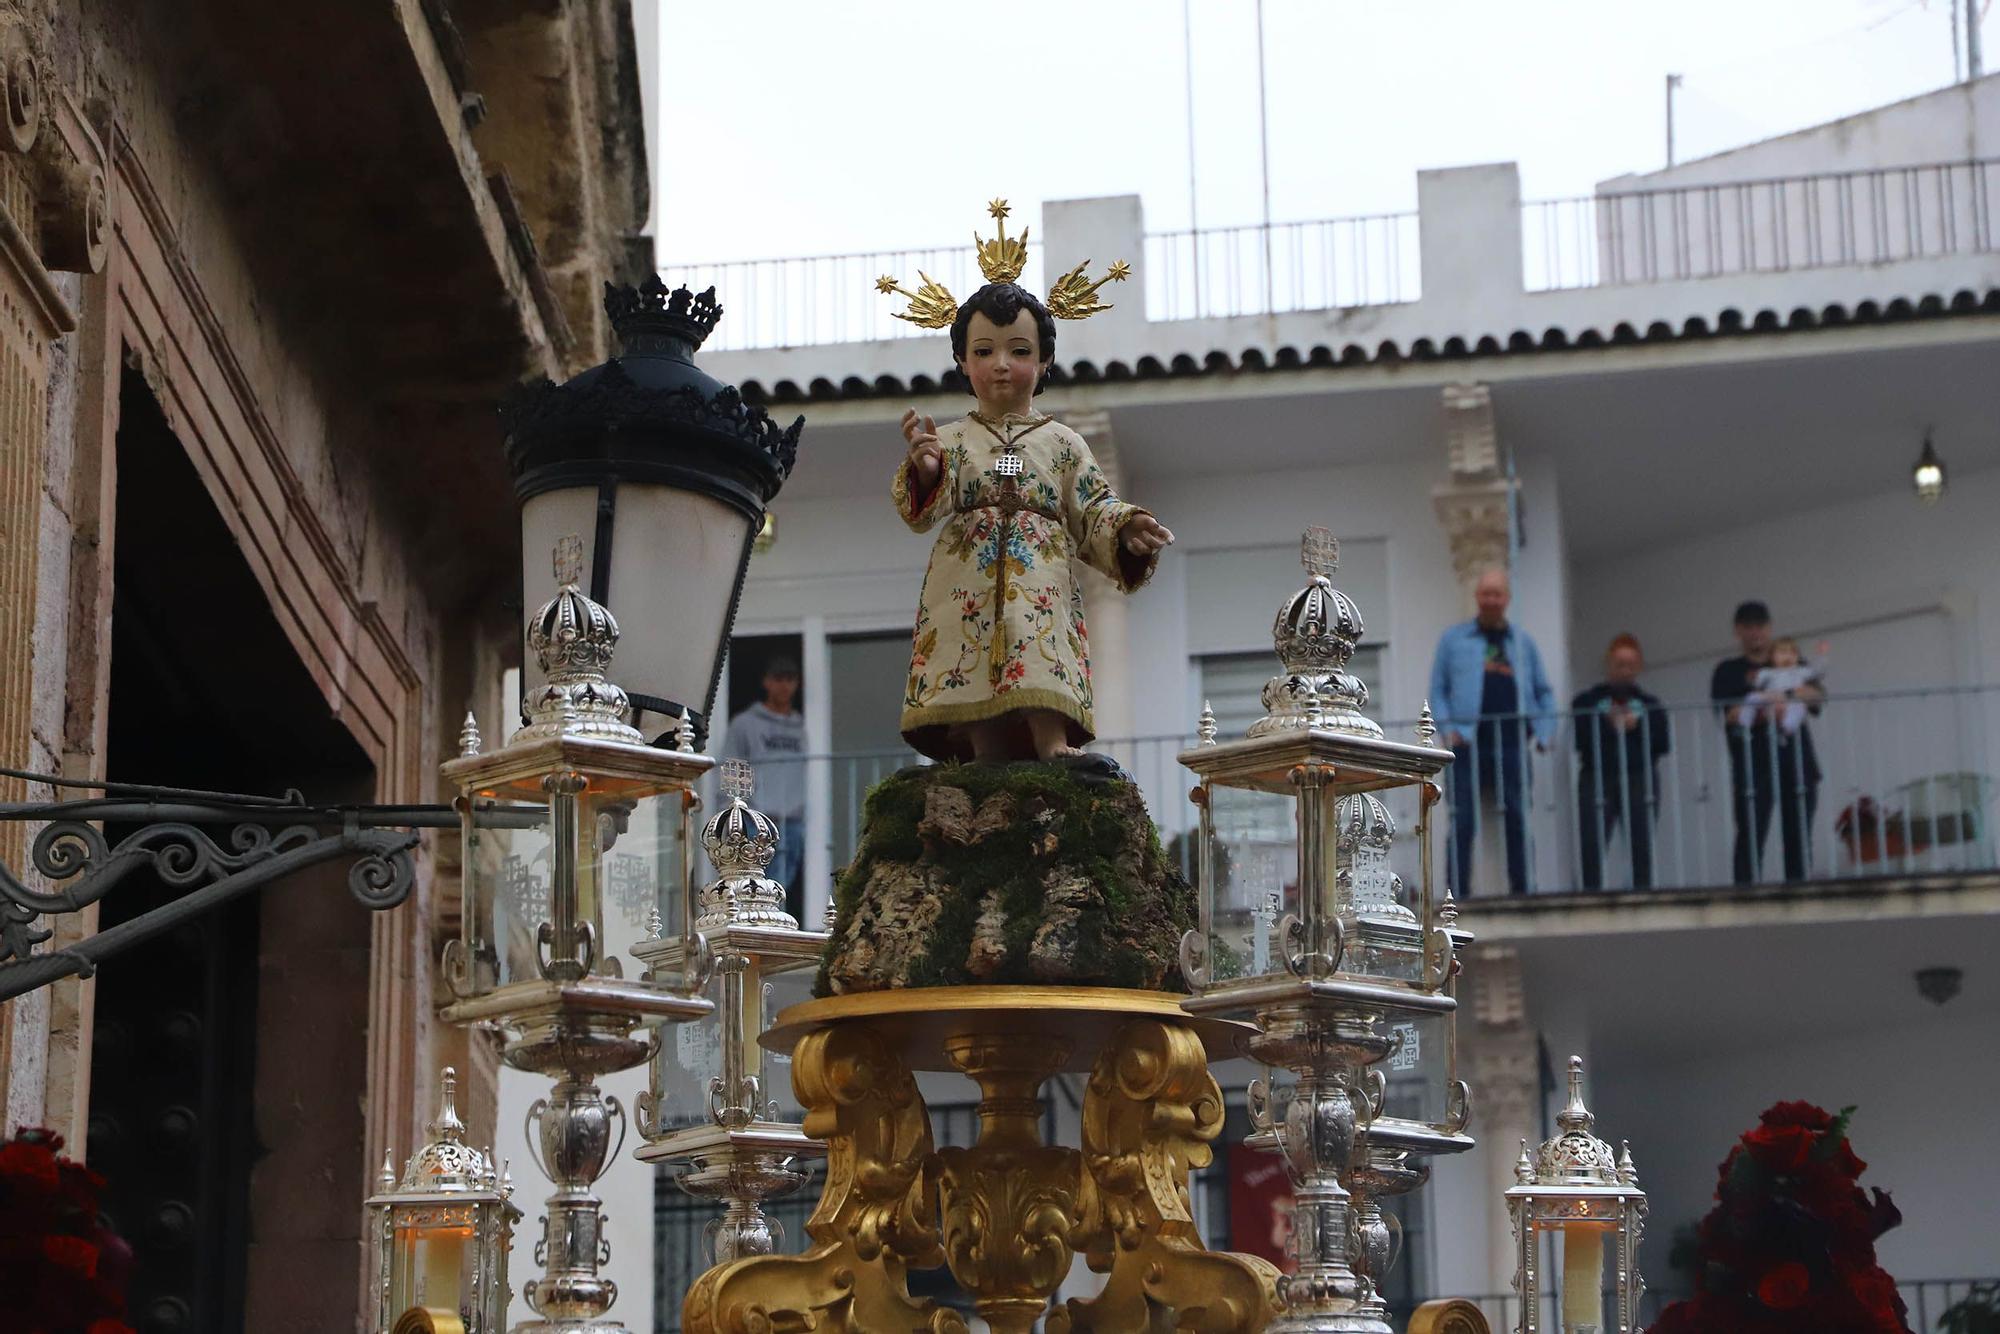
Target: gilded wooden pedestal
{"points": [[1014, 1209]]}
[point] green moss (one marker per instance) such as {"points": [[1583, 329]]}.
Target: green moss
{"points": [[1087, 825]]}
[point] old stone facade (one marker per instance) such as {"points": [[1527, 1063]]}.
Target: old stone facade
{"points": [[292, 256]]}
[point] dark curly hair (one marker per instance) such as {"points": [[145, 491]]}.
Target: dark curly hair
{"points": [[1001, 303]]}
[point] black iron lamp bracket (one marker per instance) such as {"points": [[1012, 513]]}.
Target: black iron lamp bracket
{"points": [[216, 846]]}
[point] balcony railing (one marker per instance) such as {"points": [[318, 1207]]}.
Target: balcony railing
{"points": [[813, 299], [1906, 788], [1330, 264], [1877, 216], [1324, 265]]}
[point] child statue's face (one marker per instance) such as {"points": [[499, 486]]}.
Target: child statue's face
{"points": [[1002, 361]]}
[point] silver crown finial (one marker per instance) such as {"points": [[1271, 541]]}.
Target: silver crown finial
{"points": [[1205, 729], [741, 841], [1314, 637], [684, 733], [1524, 1166], [385, 1180], [468, 736], [573, 638], [832, 913], [1427, 727], [656, 925], [1628, 1172]]}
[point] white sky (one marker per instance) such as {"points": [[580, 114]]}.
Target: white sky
{"points": [[797, 127]]}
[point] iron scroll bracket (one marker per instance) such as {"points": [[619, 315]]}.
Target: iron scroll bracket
{"points": [[214, 846]]}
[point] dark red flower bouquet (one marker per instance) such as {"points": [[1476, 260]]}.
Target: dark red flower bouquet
{"points": [[1790, 1246], [61, 1270]]}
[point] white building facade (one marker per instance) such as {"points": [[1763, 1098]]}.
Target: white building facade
{"points": [[1697, 387]]}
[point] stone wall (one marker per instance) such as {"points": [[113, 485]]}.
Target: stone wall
{"points": [[290, 223]]}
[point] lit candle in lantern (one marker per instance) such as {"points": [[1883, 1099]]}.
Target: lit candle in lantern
{"points": [[1583, 1279]]}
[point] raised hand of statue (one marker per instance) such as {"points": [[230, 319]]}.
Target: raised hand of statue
{"points": [[926, 454], [1145, 535]]}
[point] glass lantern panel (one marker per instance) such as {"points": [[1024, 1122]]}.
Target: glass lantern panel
{"points": [[434, 1261], [782, 990], [1420, 1069], [507, 875], [1252, 866], [629, 868], [690, 1055]]}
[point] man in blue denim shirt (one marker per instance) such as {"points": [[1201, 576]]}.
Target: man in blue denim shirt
{"points": [[1486, 676]]}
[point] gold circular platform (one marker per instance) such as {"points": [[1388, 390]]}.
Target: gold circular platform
{"points": [[919, 1022]]}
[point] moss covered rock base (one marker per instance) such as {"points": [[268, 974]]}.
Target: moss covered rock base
{"points": [[1046, 874]]}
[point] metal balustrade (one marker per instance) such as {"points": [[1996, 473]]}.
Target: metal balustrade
{"points": [[1906, 788], [1329, 264], [1876, 216], [1927, 1300]]}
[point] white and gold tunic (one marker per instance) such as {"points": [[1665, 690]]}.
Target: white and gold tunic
{"points": [[1000, 621]]}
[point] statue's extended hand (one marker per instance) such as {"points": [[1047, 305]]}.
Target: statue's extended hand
{"points": [[926, 454], [1145, 535]]}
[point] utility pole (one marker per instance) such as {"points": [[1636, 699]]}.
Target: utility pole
{"points": [[1673, 82], [1194, 218], [1974, 66], [1264, 146]]}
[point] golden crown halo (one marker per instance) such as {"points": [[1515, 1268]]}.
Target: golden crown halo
{"points": [[1073, 296]]}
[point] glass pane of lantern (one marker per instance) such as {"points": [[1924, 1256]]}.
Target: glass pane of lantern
{"points": [[434, 1258], [1420, 1070], [629, 867], [1385, 940], [1254, 868], [671, 628], [690, 1056], [507, 856], [782, 990]]}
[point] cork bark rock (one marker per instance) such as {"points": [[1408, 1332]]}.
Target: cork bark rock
{"points": [[1008, 873]]}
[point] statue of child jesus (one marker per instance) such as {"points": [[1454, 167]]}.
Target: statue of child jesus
{"points": [[999, 662]]}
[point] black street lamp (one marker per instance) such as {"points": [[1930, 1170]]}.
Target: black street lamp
{"points": [[664, 472]]}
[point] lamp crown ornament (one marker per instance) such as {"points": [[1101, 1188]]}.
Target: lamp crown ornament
{"points": [[1205, 728], [447, 1164], [1314, 637], [1576, 1157], [1073, 296], [649, 308], [741, 841], [468, 737], [573, 639]]}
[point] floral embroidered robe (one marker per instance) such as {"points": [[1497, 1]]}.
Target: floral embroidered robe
{"points": [[1000, 621]]}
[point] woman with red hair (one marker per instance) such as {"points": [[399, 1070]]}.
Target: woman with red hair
{"points": [[1621, 733]]}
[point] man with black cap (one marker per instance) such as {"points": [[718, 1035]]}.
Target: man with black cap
{"points": [[1767, 765], [771, 735]]}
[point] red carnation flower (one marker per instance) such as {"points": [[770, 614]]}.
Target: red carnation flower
{"points": [[1784, 1286], [72, 1253], [1797, 1114], [1780, 1147]]}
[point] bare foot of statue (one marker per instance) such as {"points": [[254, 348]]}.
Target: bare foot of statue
{"points": [[1050, 731]]}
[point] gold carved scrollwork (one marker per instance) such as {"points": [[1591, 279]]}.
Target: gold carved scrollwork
{"points": [[1456, 1316], [1149, 1115], [876, 1217], [1010, 1201]]}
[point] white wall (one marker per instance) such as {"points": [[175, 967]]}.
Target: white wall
{"points": [[1924, 1125], [1951, 124], [1822, 571]]}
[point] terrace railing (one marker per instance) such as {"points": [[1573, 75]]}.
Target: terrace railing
{"points": [[1876, 216], [1907, 787], [1330, 264]]}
